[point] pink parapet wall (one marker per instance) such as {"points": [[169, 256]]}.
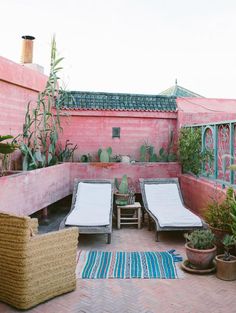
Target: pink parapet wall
{"points": [[92, 130], [199, 192], [18, 86], [117, 170], [204, 110], [29, 192]]}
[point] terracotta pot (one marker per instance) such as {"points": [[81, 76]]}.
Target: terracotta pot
{"points": [[225, 270], [202, 259]]}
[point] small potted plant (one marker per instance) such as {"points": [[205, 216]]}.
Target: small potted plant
{"points": [[200, 248], [125, 194], [226, 263]]}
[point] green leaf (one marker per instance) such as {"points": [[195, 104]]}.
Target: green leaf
{"points": [[5, 137], [38, 156], [25, 163], [6, 148]]}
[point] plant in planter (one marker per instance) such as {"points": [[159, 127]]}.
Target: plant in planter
{"points": [[39, 140], [6, 149], [105, 154], [147, 153], [66, 153], [219, 218], [115, 158], [226, 263], [85, 158], [126, 193], [200, 248]]}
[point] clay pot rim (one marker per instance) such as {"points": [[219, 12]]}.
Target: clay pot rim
{"points": [[200, 250], [219, 258]]}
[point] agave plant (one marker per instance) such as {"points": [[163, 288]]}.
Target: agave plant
{"points": [[228, 241]]}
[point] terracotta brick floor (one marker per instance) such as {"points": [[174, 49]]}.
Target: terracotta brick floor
{"points": [[190, 294]]}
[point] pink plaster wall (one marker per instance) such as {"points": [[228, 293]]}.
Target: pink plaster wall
{"points": [[28, 192], [198, 192], [117, 170], [92, 130], [18, 86], [204, 110]]}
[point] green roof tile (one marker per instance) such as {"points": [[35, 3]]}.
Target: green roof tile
{"points": [[118, 101], [180, 92]]}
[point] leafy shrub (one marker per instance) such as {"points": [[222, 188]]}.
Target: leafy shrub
{"points": [[191, 155], [219, 215]]}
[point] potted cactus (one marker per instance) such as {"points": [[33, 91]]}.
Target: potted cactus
{"points": [[200, 248], [226, 263], [122, 193], [125, 194]]}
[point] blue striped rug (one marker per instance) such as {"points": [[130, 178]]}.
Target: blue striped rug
{"points": [[100, 264]]}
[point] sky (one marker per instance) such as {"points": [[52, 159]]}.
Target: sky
{"points": [[131, 46]]}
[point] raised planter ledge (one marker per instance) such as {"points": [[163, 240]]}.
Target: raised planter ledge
{"points": [[28, 192]]}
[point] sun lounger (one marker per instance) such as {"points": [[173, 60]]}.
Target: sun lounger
{"points": [[92, 207], [163, 202]]}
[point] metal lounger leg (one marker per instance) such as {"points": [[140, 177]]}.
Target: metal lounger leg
{"points": [[108, 238]]}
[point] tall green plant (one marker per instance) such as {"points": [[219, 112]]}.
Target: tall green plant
{"points": [[42, 126], [191, 155]]}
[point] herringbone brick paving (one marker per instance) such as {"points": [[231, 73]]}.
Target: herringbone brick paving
{"points": [[190, 294]]}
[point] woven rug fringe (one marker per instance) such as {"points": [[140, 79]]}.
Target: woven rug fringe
{"points": [[176, 256]]}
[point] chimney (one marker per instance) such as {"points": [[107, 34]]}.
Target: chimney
{"points": [[27, 49], [27, 54]]}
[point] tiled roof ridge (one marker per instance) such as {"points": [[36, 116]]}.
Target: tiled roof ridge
{"points": [[119, 93], [177, 89], [88, 100]]}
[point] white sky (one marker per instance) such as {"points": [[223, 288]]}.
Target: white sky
{"points": [[133, 46]]}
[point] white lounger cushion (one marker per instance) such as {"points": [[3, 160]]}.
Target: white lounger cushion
{"points": [[92, 205], [165, 204]]}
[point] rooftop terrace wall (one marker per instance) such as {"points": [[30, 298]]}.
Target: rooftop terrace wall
{"points": [[18, 86], [92, 130], [204, 110]]}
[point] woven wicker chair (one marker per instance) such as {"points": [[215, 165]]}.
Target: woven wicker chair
{"points": [[34, 268]]}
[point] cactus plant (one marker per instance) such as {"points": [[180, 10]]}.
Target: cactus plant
{"points": [[122, 196], [200, 239], [123, 186], [143, 153], [104, 154], [147, 153]]}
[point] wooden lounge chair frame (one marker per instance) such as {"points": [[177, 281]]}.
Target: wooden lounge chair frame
{"points": [[105, 229], [159, 228]]}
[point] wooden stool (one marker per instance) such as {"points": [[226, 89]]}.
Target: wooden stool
{"points": [[129, 214]]}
